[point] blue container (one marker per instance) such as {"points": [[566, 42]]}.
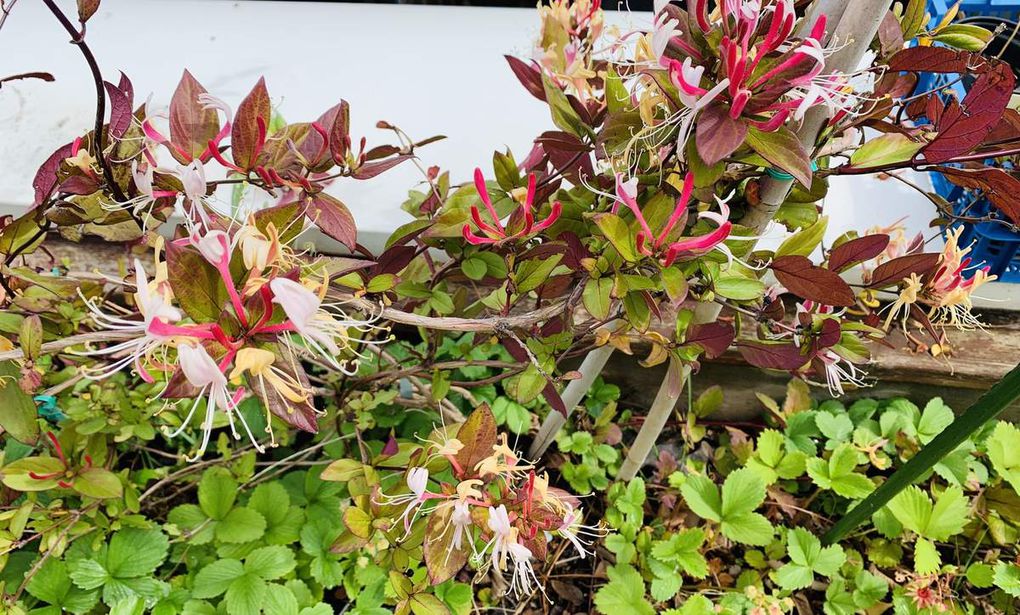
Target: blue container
{"points": [[994, 245]]}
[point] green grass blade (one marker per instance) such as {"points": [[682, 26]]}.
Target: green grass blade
{"points": [[989, 406]]}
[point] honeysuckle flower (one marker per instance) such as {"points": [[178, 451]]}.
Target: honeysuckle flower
{"points": [[665, 30], [949, 292], [572, 529], [147, 195], [523, 578], [325, 334], [417, 481], [258, 249], [503, 462], [154, 330], [839, 371], [493, 232], [460, 519], [650, 244], [215, 247], [502, 535], [202, 372], [260, 364]]}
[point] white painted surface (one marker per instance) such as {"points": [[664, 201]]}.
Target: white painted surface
{"points": [[430, 70]]}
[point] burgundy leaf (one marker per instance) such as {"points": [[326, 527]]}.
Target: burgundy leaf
{"points": [[718, 134], [715, 337], [963, 126], [120, 110], [568, 154], [191, 126], [807, 281], [296, 414], [371, 169], [339, 127], [79, 184], [394, 259], [333, 218], [855, 251], [772, 355], [127, 87], [894, 271], [830, 333], [45, 181], [553, 397], [250, 124], [1001, 188], [529, 76], [931, 60]]}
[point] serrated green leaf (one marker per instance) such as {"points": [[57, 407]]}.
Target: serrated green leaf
{"points": [[625, 593], [214, 579], [241, 524], [270, 562]]}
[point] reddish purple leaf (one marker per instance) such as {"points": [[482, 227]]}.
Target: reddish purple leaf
{"points": [[718, 135], [894, 271], [830, 333], [552, 396], [931, 60], [1001, 188], [773, 355], [529, 76], [855, 251], [371, 169], [191, 126], [715, 337], [45, 181], [963, 126], [120, 110], [86, 9], [250, 124], [333, 218], [807, 281]]}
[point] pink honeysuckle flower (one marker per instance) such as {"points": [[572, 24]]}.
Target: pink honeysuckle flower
{"points": [[147, 195], [460, 518], [840, 371], [523, 578], [215, 247], [572, 529], [417, 482], [493, 231], [154, 330], [322, 332], [650, 244], [202, 372], [665, 30]]}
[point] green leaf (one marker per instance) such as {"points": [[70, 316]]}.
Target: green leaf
{"points": [[98, 483], [283, 522], [197, 285], [702, 497], [16, 474], [190, 518], [783, 149], [270, 562], [934, 419], [246, 595], [17, 410], [563, 115], [1007, 578], [836, 427], [618, 234], [136, 552], [89, 574], [839, 473], [738, 287], [597, 297], [804, 241], [889, 148], [926, 557], [427, 604], [980, 575], [617, 96], [625, 593], [742, 492], [938, 521], [213, 580], [52, 584], [807, 558], [988, 407], [869, 589], [217, 492], [280, 600], [240, 525], [683, 549], [1003, 448], [748, 528]]}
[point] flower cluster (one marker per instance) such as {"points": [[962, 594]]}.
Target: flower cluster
{"points": [[232, 307], [521, 224], [497, 512]]}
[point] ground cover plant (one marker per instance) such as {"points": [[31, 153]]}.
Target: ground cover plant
{"points": [[230, 421]]}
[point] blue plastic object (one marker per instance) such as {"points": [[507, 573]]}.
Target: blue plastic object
{"points": [[993, 244]]}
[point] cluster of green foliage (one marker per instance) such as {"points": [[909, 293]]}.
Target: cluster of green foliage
{"points": [[734, 522]]}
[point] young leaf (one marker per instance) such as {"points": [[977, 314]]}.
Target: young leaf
{"points": [[808, 558], [839, 473], [625, 593]]}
